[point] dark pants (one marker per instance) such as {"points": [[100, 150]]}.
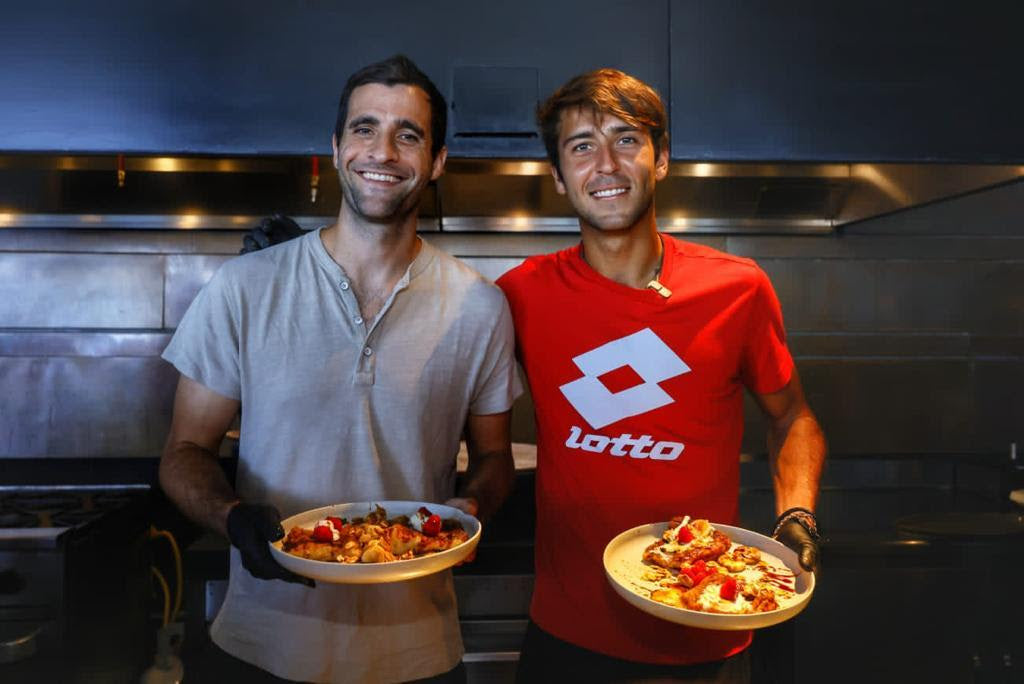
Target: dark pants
{"points": [[545, 658], [220, 667]]}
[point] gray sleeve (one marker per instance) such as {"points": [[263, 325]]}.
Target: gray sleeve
{"points": [[498, 383], [205, 347]]}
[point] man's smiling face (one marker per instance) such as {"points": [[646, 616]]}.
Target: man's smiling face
{"points": [[608, 168], [383, 157]]}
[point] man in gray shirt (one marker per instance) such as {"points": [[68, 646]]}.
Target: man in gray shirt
{"points": [[359, 354]]}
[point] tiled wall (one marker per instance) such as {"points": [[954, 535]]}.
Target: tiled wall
{"points": [[908, 329]]}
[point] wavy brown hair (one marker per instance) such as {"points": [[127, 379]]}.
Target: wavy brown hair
{"points": [[604, 91]]}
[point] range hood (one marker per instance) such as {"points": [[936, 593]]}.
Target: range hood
{"points": [[499, 195]]}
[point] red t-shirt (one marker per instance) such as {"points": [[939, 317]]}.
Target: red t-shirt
{"points": [[639, 409]]}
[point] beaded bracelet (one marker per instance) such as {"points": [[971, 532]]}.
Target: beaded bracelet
{"points": [[801, 515]]}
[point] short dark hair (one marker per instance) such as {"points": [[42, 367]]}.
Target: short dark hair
{"points": [[604, 91], [398, 70]]}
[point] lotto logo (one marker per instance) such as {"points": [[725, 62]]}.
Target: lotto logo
{"points": [[647, 355]]}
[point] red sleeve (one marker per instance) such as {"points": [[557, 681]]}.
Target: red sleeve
{"points": [[767, 363]]}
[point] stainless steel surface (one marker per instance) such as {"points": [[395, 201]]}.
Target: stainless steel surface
{"points": [[153, 164], [514, 195], [74, 580], [80, 343], [214, 592], [84, 406], [186, 274], [918, 308], [19, 647], [669, 224], [113, 487], [81, 290], [490, 635], [173, 221], [491, 657], [483, 595]]}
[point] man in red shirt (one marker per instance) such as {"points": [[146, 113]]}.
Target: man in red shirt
{"points": [[637, 347]]}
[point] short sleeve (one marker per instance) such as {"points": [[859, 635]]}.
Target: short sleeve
{"points": [[767, 363], [499, 383], [205, 347]]}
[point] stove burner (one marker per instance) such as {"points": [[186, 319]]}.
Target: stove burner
{"points": [[73, 518], [60, 507]]}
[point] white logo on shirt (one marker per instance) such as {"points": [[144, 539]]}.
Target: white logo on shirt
{"points": [[643, 446], [647, 355]]}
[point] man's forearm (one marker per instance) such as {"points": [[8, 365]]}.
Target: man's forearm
{"points": [[193, 479], [489, 480], [797, 453]]}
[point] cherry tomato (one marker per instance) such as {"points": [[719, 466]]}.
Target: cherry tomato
{"points": [[728, 589], [337, 522], [685, 535], [432, 526], [323, 533]]}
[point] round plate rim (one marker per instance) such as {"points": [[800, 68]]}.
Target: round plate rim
{"points": [[694, 618], [376, 573]]}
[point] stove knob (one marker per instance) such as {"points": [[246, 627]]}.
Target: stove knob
{"points": [[11, 582]]}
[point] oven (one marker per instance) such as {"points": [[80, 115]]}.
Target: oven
{"points": [[74, 583]]}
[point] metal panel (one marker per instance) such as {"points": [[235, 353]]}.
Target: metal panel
{"points": [[135, 77], [994, 211], [924, 295], [999, 388], [168, 221], [84, 407], [79, 343], [482, 595], [80, 291], [872, 80], [819, 294], [834, 344], [961, 247], [186, 275], [995, 297], [892, 405]]}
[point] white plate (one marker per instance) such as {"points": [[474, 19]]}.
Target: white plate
{"points": [[624, 566], [375, 573]]}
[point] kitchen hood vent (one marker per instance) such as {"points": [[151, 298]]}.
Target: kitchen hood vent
{"points": [[503, 195]]}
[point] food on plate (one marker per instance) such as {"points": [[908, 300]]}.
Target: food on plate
{"points": [[698, 567], [375, 538]]}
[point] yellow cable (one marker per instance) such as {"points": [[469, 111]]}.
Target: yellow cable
{"points": [[154, 533], [167, 593]]}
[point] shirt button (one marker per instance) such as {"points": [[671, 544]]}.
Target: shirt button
{"points": [[344, 284], [367, 351], [359, 320]]}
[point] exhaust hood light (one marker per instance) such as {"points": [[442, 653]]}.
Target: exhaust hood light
{"points": [[188, 221], [6, 219], [887, 185], [702, 170], [169, 164], [532, 168]]}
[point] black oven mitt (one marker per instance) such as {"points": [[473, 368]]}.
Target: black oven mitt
{"points": [[250, 527], [271, 231], [798, 529]]}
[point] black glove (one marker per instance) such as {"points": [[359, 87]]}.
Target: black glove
{"points": [[271, 231], [250, 527], [797, 528]]}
